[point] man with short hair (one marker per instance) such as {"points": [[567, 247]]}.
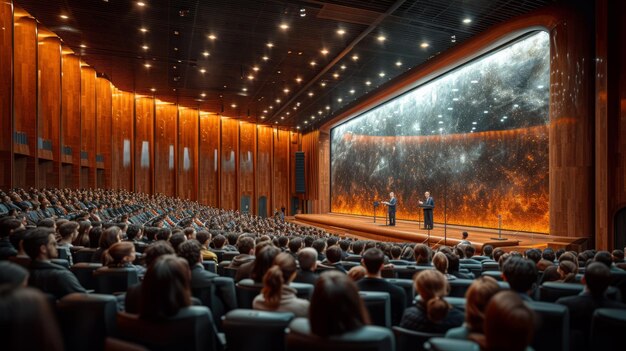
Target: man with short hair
{"points": [[295, 244], [521, 274], [333, 259], [68, 232], [373, 260], [204, 238], [51, 278], [320, 246], [307, 258], [7, 227], [464, 241], [391, 208], [245, 245]]}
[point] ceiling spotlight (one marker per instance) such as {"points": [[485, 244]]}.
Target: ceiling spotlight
{"points": [[473, 81], [278, 101], [336, 75], [312, 117], [233, 105], [203, 94], [153, 90], [64, 17], [424, 45], [147, 65], [368, 83], [343, 67], [270, 45], [302, 12], [398, 63], [282, 118], [265, 58], [341, 31], [141, 3], [306, 122], [310, 93], [244, 89], [145, 47], [271, 107], [323, 84], [319, 112], [298, 79], [327, 107], [355, 57], [251, 77], [284, 26], [467, 20], [255, 68], [143, 29], [381, 38], [312, 63], [83, 46], [212, 36], [286, 91], [381, 74], [202, 70], [262, 117], [276, 122], [340, 100], [298, 127], [324, 52], [205, 54], [352, 91]]}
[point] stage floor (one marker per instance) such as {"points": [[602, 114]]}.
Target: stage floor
{"points": [[408, 231]]}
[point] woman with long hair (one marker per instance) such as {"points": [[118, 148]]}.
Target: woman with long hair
{"points": [[84, 227], [477, 296], [432, 313], [166, 288], [567, 270], [276, 294], [122, 255], [109, 237]]}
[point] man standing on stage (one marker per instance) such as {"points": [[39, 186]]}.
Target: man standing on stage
{"points": [[391, 208], [428, 207]]}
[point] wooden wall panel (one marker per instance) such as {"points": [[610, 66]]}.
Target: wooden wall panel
{"points": [[280, 182], [103, 137], [6, 96], [208, 160], [88, 127], [49, 132], [144, 144], [228, 171], [247, 164], [165, 149], [122, 139], [24, 101], [70, 120], [187, 153], [264, 168]]}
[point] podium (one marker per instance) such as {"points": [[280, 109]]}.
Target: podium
{"points": [[376, 204], [424, 207]]}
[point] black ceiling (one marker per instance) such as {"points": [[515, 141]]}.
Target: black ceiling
{"points": [[179, 32]]}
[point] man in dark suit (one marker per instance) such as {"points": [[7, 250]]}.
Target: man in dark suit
{"points": [[51, 278], [391, 208], [374, 260], [581, 307], [307, 258], [428, 207]]}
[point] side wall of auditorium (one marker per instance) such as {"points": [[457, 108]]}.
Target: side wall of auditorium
{"points": [[63, 125]]}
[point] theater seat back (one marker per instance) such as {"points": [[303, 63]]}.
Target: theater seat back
{"points": [[407, 285], [84, 272], [256, 330], [86, 320], [378, 305], [114, 280], [443, 344], [368, 338], [410, 340], [247, 290], [552, 326], [458, 287], [607, 328], [303, 290]]}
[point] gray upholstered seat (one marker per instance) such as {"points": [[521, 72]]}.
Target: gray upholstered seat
{"points": [[552, 326], [607, 328], [368, 338], [378, 305], [256, 330], [86, 320]]}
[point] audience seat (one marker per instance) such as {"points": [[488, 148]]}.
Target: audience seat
{"points": [[347, 264], [368, 338], [443, 344], [353, 258], [61, 262], [229, 255], [497, 275], [552, 291], [219, 254], [378, 305], [83, 255], [458, 287], [255, 330], [607, 328], [490, 266], [86, 320], [407, 285], [410, 340], [189, 330], [247, 290], [552, 326], [303, 290], [114, 280], [113, 344], [618, 280], [399, 262], [475, 269], [408, 272], [210, 266], [84, 272], [221, 267]]}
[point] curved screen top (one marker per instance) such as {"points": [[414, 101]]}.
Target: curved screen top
{"points": [[505, 89]]}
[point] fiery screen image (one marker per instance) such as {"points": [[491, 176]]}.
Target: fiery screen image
{"points": [[475, 137]]}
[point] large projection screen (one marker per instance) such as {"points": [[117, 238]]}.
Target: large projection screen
{"points": [[476, 137]]}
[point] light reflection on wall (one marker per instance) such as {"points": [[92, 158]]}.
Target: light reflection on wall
{"points": [[477, 138]]}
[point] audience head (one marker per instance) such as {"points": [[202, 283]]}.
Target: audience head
{"points": [[497, 253], [165, 288], [597, 278], [295, 244], [477, 296], [134, 232], [39, 244], [319, 245], [333, 254], [191, 250], [281, 273], [336, 307], [395, 252], [245, 246], [440, 261], [156, 250], [509, 323], [264, 259], [604, 257], [373, 261], [548, 255], [432, 286], [163, 234], [533, 255], [357, 247], [219, 241], [177, 239], [9, 225], [68, 231], [488, 251], [203, 237], [567, 270], [13, 275], [469, 251], [422, 254], [357, 273], [618, 256], [119, 254], [551, 274], [109, 237], [520, 273], [307, 258]]}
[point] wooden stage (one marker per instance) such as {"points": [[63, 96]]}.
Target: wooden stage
{"points": [[408, 231]]}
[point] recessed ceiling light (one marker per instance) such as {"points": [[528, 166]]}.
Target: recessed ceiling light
{"points": [[424, 45], [298, 127], [284, 26], [319, 112], [286, 91], [485, 112], [251, 77], [340, 100], [341, 31], [324, 52], [327, 107], [244, 89], [306, 122], [264, 111], [312, 117], [203, 94], [262, 117], [310, 93], [202, 70], [323, 84], [152, 90], [255, 68], [83, 46], [141, 3], [312, 63], [473, 81], [381, 74], [398, 63], [352, 91], [271, 107], [145, 47], [368, 83], [212, 36], [270, 45], [282, 118], [265, 58], [147, 65], [64, 16], [143, 29], [381, 38], [467, 20], [298, 79], [355, 57], [205, 54], [233, 105], [276, 122], [278, 101], [336, 75]]}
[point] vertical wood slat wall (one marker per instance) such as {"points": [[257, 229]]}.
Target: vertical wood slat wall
{"points": [[62, 126]]}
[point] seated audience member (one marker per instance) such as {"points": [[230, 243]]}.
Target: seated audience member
{"points": [[345, 246], [373, 260], [477, 297], [596, 279], [164, 234], [440, 262], [95, 234], [395, 252], [122, 255], [320, 246], [190, 233], [454, 266], [7, 226], [534, 255], [357, 273], [13, 275], [307, 258], [422, 255], [82, 239], [336, 307], [618, 256], [263, 262], [53, 279], [67, 232], [276, 294], [488, 251], [567, 270], [177, 239], [245, 245], [431, 314], [333, 259], [151, 254], [295, 244], [408, 254], [497, 253], [356, 248], [521, 274], [464, 240], [508, 325], [109, 237], [204, 238], [218, 242], [165, 289], [26, 320], [551, 274], [606, 258], [191, 250], [231, 242]]}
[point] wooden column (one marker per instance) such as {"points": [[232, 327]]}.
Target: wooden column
{"points": [[264, 168], [247, 164], [165, 146], [6, 95], [88, 128], [144, 144], [187, 178], [229, 165], [70, 120], [103, 125], [208, 159]]}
